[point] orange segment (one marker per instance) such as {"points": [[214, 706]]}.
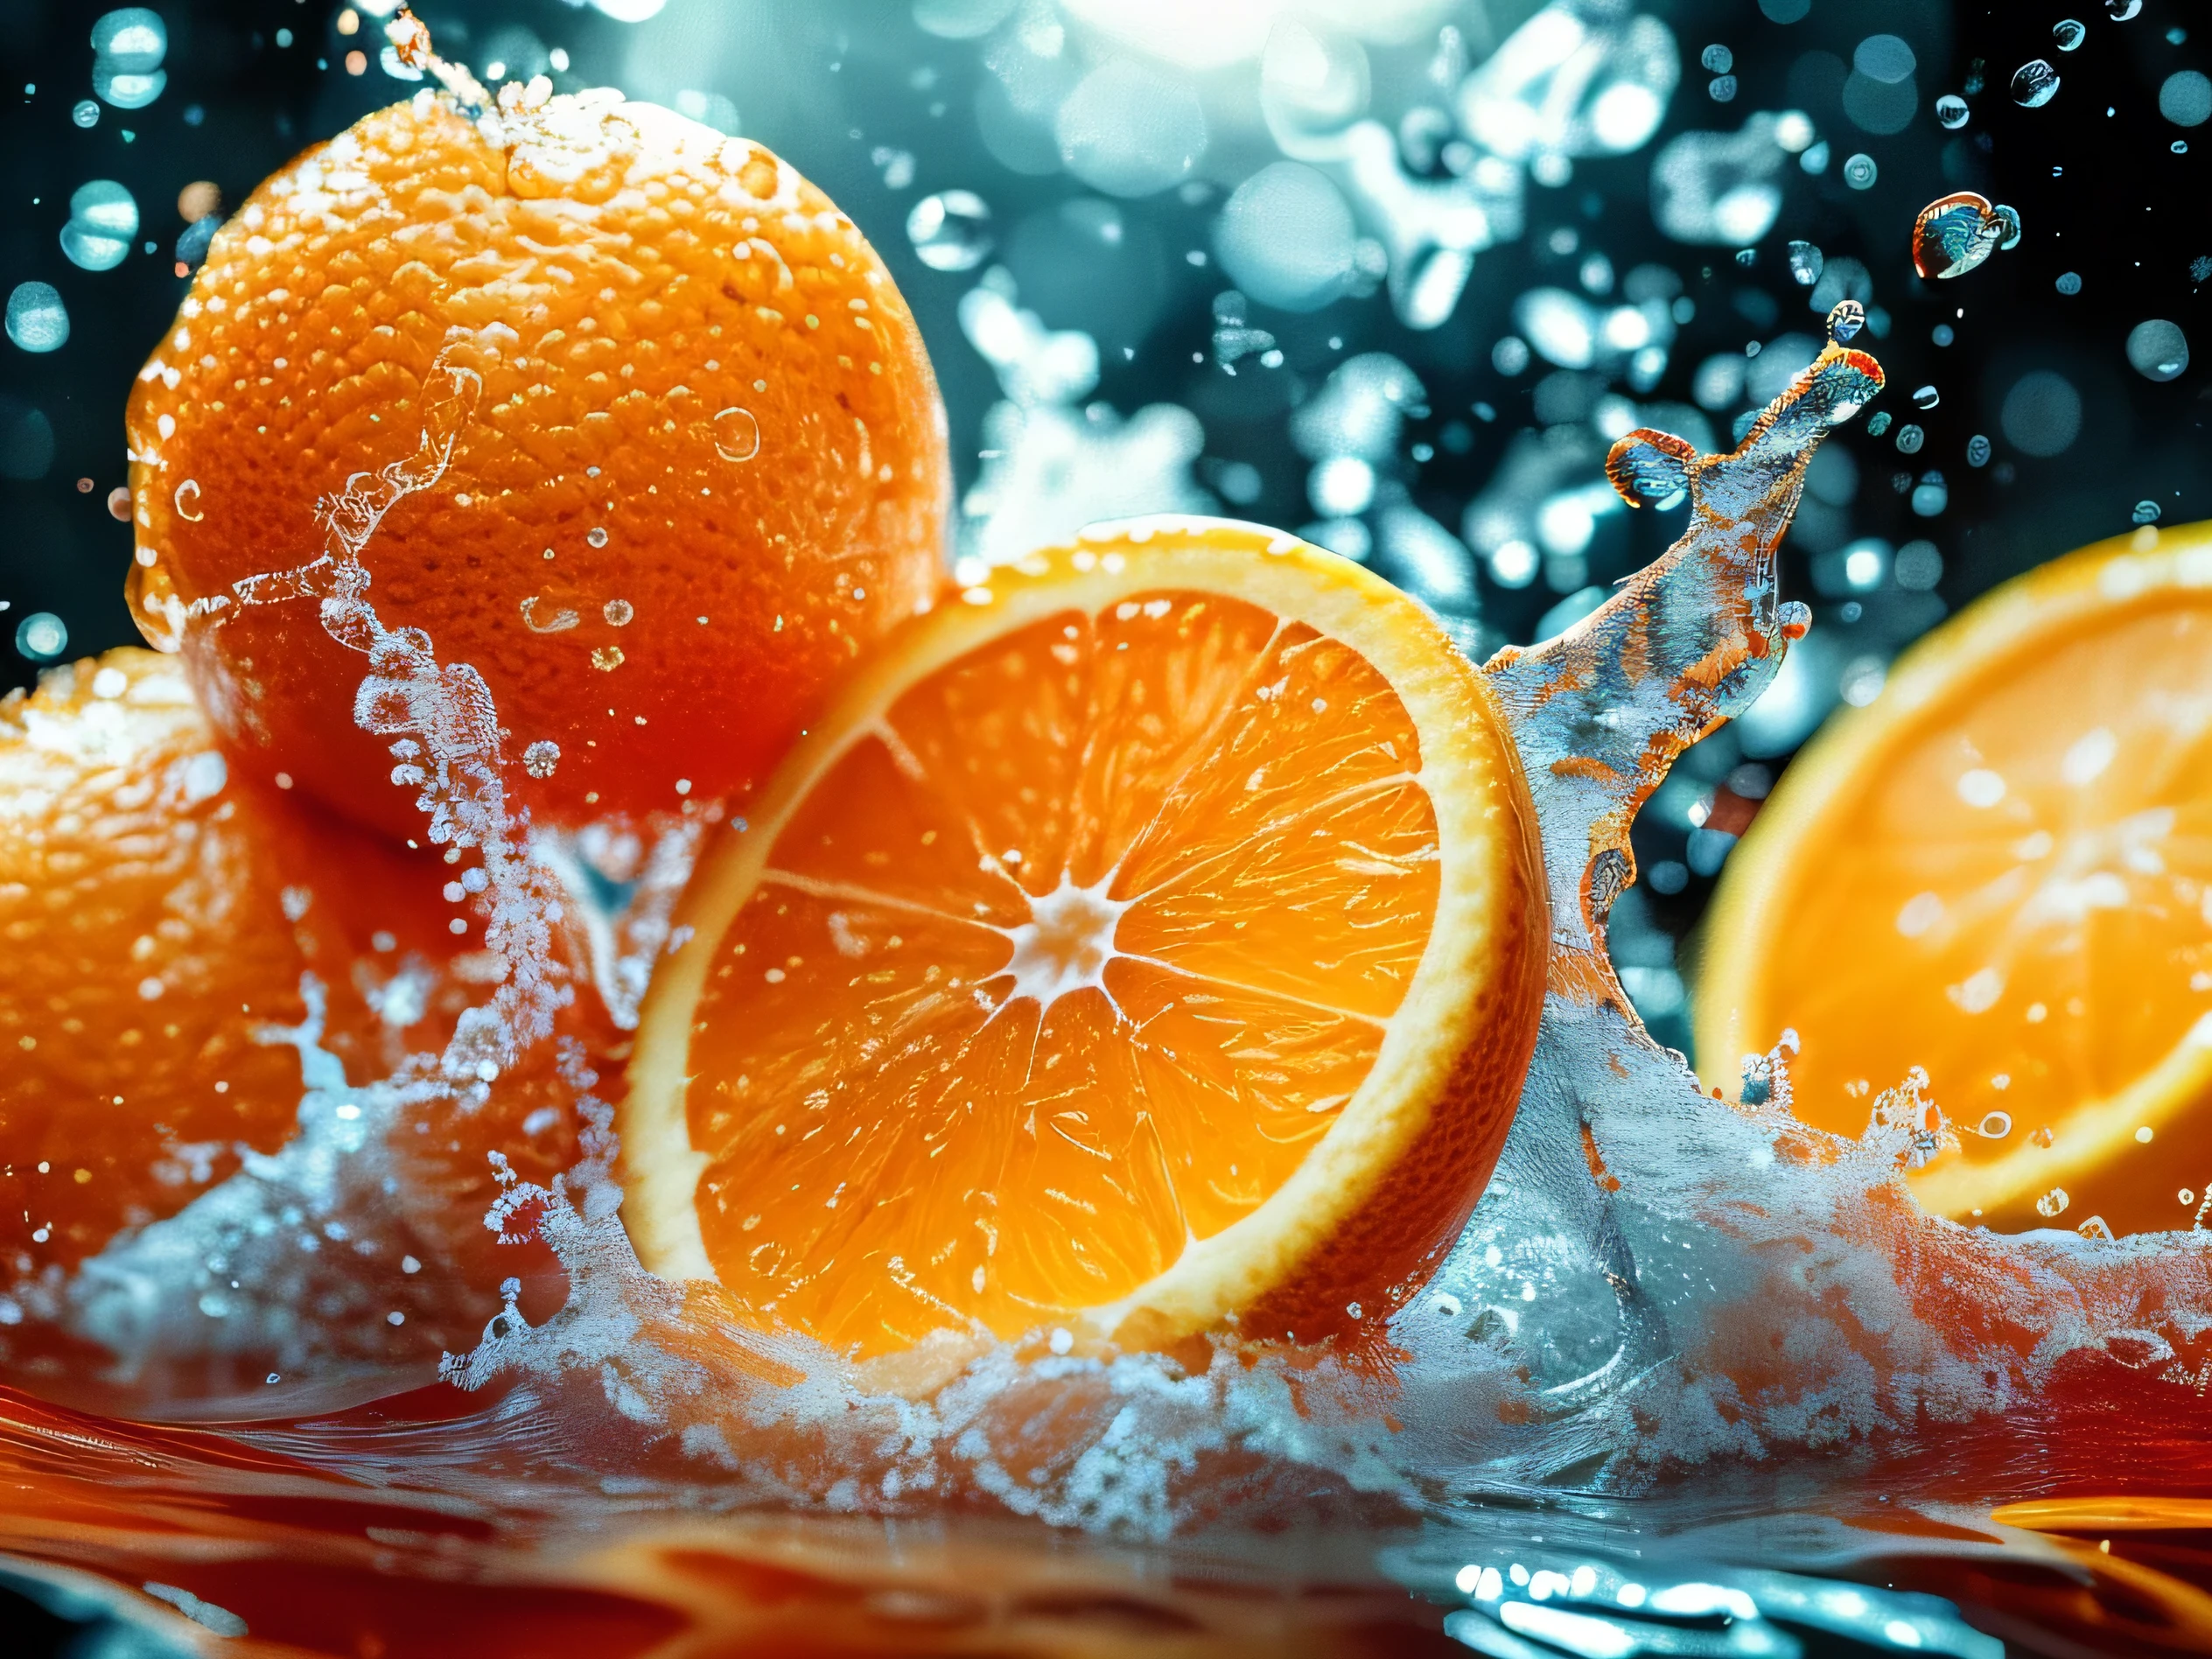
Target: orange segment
{"points": [[1151, 940], [2001, 871]]}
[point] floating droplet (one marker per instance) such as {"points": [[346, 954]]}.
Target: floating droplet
{"points": [[2070, 283], [1717, 59], [1878, 423], [618, 612], [104, 221], [541, 758], [950, 230], [1930, 496], [1844, 320], [1927, 397], [125, 89], [42, 636], [1721, 89], [2121, 11], [607, 658], [86, 113], [596, 536], [1859, 172], [1806, 262], [1746, 257], [1955, 232], [1977, 451], [2066, 34], [2053, 1202], [2185, 98], [132, 37], [1910, 439], [2158, 350], [1995, 1126], [1951, 110], [2035, 84], [2011, 236], [737, 435], [2146, 513], [37, 319], [187, 499]]}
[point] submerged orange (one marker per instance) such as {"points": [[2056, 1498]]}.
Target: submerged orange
{"points": [[1149, 942], [2001, 871], [704, 464]]}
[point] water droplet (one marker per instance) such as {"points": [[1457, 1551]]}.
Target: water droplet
{"points": [[2185, 98], [1746, 257], [2146, 513], [42, 636], [1930, 496], [607, 658], [1806, 262], [2121, 11], [103, 222], [2158, 350], [2011, 217], [37, 319], [1951, 110], [1878, 423], [132, 38], [125, 89], [2035, 84], [618, 612], [187, 499], [1859, 172], [1721, 88], [1845, 319], [1927, 397], [1995, 1126], [1885, 58], [1717, 59], [950, 230], [1977, 451], [2054, 1201], [2070, 283], [86, 113], [541, 758], [596, 536], [737, 435], [2066, 34], [1954, 234], [1910, 439]]}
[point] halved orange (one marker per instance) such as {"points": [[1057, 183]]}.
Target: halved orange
{"points": [[1148, 942], [2001, 870]]}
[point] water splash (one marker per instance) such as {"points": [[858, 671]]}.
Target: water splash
{"points": [[1954, 234]]}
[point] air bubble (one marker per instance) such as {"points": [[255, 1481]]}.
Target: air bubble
{"points": [[1806, 262], [2121, 11], [1951, 110], [2158, 350], [1717, 59], [618, 612], [1995, 1126], [37, 319], [2070, 283], [737, 435], [2146, 513], [1977, 451], [541, 758], [1859, 172], [2035, 84], [86, 113], [2068, 34], [1927, 397], [596, 536], [2185, 98], [1910, 439], [950, 230], [607, 658]]}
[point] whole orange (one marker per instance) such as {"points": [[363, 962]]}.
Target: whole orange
{"points": [[164, 920], [700, 464]]}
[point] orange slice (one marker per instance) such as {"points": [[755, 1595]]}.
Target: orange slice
{"points": [[2001, 870], [1150, 940]]}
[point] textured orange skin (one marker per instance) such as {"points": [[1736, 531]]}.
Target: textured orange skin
{"points": [[612, 319], [117, 866]]}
